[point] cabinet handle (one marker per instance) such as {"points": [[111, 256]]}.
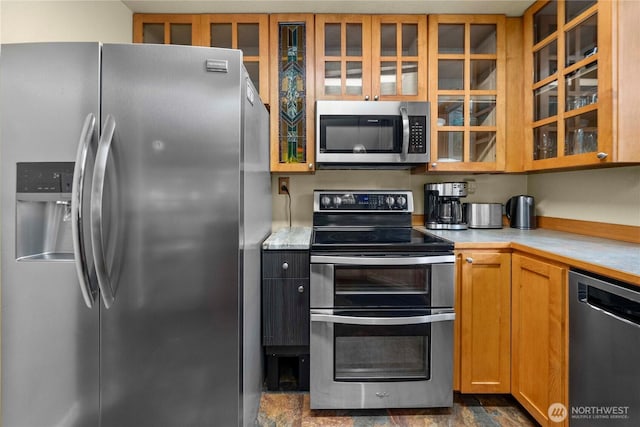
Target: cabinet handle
{"points": [[434, 165], [366, 97], [301, 289], [310, 165], [285, 266], [469, 260], [375, 98], [602, 155]]}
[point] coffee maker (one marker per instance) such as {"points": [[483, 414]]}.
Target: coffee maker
{"points": [[442, 207]]}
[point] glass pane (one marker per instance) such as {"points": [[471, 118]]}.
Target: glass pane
{"points": [[388, 76], [574, 8], [388, 40], [483, 110], [545, 61], [450, 110], [291, 93], [180, 34], [153, 33], [582, 41], [545, 142], [450, 146], [354, 39], [482, 146], [409, 39], [450, 74], [332, 78], [483, 74], [545, 21], [253, 68], [409, 78], [581, 133], [249, 39], [483, 38], [354, 78], [332, 40], [545, 101], [582, 87], [451, 38], [221, 35]]}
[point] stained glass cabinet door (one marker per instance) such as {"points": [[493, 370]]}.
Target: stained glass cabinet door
{"points": [[292, 95]]}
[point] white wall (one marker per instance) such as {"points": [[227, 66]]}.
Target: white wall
{"points": [[37, 21], [600, 195]]}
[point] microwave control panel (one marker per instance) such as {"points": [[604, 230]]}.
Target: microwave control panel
{"points": [[417, 134]]}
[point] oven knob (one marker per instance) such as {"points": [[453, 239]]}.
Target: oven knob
{"points": [[401, 201], [326, 201], [390, 201], [337, 201]]}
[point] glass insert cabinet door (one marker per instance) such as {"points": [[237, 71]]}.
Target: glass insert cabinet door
{"points": [[564, 91], [343, 49], [292, 89], [250, 34], [167, 29], [467, 92]]}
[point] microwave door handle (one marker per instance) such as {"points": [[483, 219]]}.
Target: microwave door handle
{"points": [[382, 321], [405, 133]]}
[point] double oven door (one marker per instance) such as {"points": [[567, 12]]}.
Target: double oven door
{"points": [[381, 331]]}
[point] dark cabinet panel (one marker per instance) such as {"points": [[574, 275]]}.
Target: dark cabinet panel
{"points": [[285, 312], [285, 264]]}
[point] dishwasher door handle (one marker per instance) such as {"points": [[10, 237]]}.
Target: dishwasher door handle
{"points": [[630, 299]]}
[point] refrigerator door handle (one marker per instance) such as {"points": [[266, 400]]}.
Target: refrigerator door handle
{"points": [[97, 193], [89, 292]]}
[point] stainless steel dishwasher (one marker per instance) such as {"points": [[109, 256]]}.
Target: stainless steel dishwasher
{"points": [[604, 351]]}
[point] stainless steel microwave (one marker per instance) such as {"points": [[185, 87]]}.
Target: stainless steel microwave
{"points": [[371, 134]]}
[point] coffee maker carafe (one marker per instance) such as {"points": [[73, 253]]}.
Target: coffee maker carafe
{"points": [[442, 207]]}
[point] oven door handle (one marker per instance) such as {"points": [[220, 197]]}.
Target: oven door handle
{"points": [[327, 317], [382, 260]]}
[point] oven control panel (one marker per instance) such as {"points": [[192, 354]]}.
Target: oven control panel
{"points": [[362, 201]]}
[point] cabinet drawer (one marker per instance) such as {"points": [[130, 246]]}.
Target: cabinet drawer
{"points": [[285, 264], [285, 312]]}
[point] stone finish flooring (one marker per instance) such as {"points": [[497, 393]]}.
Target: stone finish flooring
{"points": [[291, 409]]}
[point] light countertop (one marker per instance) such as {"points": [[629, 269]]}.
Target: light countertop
{"points": [[620, 260]]}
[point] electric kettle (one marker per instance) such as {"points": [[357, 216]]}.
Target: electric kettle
{"points": [[521, 212]]}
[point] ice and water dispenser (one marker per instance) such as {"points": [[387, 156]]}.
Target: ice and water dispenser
{"points": [[43, 211]]}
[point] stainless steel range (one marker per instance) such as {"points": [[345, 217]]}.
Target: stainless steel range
{"points": [[381, 305]]}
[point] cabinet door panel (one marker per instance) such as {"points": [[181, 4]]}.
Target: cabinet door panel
{"points": [[285, 308], [539, 334], [285, 264]]}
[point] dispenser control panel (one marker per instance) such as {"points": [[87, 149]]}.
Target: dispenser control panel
{"points": [[44, 177]]}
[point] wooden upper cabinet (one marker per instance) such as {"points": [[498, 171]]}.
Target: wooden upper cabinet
{"points": [[467, 91], [167, 29], [250, 34], [292, 93], [371, 57], [343, 57], [581, 83]]}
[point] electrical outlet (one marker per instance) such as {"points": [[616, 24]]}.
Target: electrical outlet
{"points": [[471, 185], [283, 181]]}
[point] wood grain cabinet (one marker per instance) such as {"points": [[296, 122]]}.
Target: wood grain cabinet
{"points": [[581, 83], [183, 29], [467, 91], [539, 359], [371, 57], [285, 313], [484, 317]]}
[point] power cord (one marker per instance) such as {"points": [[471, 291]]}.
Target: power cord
{"points": [[284, 188]]}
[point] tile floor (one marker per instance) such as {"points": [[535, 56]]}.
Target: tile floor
{"points": [[291, 409]]}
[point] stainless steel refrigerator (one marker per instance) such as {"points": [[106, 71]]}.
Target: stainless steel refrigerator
{"points": [[135, 195]]}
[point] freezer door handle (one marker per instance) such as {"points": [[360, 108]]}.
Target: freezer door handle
{"points": [[97, 193], [88, 288]]}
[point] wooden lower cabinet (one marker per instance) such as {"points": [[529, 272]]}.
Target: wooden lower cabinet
{"points": [[484, 317], [539, 368]]}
